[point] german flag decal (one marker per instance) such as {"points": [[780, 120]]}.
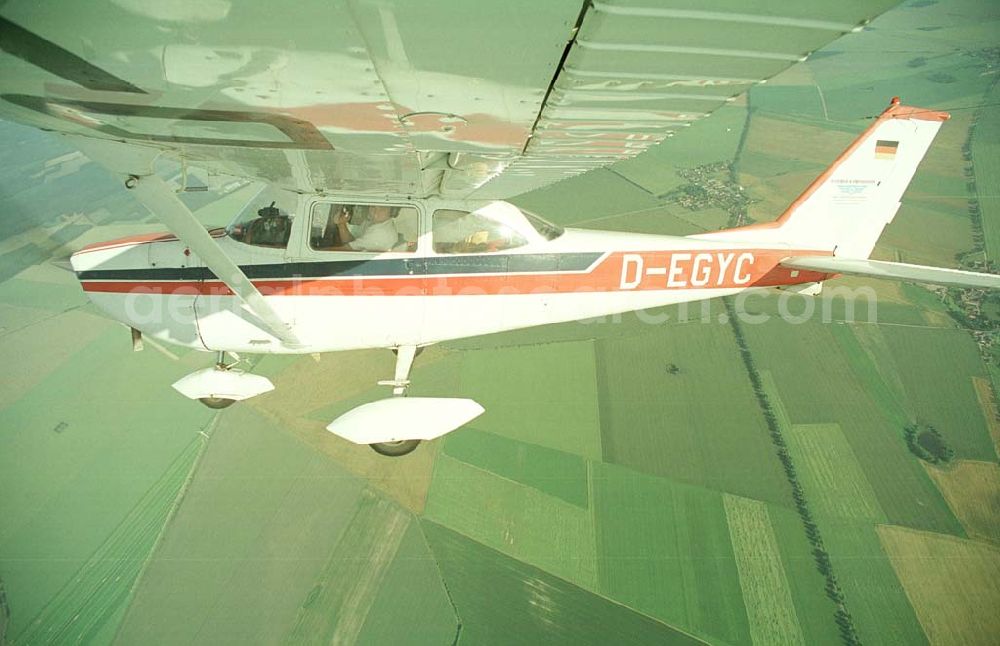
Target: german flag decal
{"points": [[886, 149]]}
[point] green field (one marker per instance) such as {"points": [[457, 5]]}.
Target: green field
{"points": [[669, 219], [874, 596], [613, 326], [264, 520], [804, 361], [830, 474], [705, 142], [664, 549], [865, 348], [88, 608], [766, 591], [624, 196], [923, 234], [936, 367], [52, 297], [412, 606], [345, 587], [947, 32], [61, 499], [555, 406], [489, 588], [986, 164], [700, 425], [516, 519], [813, 608], [598, 194], [799, 101], [49, 349], [845, 506], [555, 473]]}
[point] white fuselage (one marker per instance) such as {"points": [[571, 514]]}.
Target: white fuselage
{"points": [[340, 300]]}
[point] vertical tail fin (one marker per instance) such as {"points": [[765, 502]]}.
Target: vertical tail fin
{"points": [[847, 207]]}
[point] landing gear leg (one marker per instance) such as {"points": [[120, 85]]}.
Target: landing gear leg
{"points": [[400, 382]]}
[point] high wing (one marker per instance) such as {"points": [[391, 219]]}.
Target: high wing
{"points": [[396, 97]]}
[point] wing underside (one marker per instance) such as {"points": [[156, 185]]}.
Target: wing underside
{"points": [[395, 97]]}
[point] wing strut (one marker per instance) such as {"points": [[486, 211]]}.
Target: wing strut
{"points": [[138, 164], [159, 198]]}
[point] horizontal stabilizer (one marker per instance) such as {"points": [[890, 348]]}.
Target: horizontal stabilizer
{"points": [[404, 418], [894, 271]]}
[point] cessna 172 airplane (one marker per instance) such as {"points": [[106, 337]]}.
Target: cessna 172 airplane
{"points": [[389, 144]]}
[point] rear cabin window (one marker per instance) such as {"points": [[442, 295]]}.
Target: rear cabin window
{"points": [[465, 232], [372, 228]]}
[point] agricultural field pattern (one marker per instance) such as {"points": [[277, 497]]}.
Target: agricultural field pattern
{"points": [[709, 474]]}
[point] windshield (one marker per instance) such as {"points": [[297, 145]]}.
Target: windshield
{"points": [[496, 226], [464, 232]]}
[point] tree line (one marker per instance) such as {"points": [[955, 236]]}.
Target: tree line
{"points": [[842, 616]]}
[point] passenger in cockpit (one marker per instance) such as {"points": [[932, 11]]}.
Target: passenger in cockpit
{"points": [[378, 233]]}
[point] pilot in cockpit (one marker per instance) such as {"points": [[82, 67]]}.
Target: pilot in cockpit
{"points": [[378, 233]]}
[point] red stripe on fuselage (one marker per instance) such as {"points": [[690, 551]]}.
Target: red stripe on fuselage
{"points": [[619, 271], [145, 238]]}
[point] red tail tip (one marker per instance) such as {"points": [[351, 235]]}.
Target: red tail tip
{"points": [[894, 101]]}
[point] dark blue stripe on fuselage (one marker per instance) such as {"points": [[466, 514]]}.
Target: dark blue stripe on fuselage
{"points": [[380, 267]]}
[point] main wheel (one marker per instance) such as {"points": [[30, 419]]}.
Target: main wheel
{"points": [[217, 402], [395, 449]]}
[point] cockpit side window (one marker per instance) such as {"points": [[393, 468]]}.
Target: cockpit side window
{"points": [[338, 226], [270, 227], [465, 232]]}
